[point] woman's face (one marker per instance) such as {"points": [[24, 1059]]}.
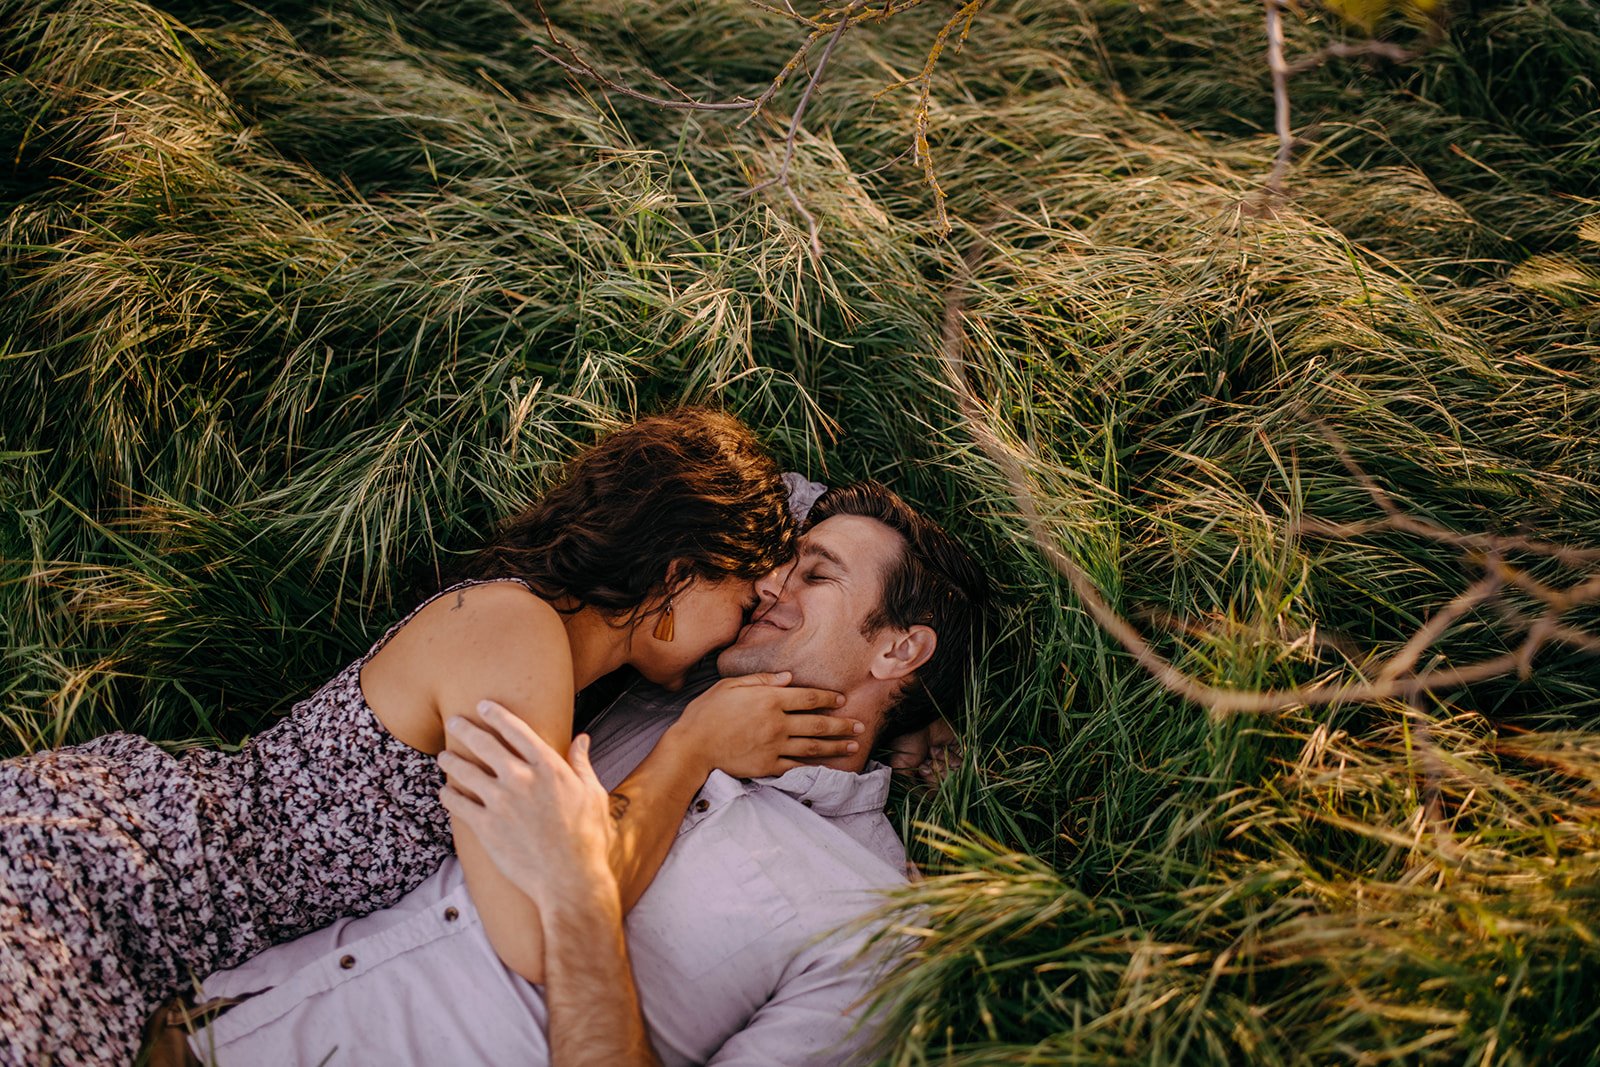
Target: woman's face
{"points": [[706, 616]]}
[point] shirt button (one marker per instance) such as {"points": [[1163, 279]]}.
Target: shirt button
{"points": [[702, 805], [451, 915], [347, 962]]}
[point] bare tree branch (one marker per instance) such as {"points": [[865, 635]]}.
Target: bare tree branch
{"points": [[1341, 50], [921, 153], [828, 26], [1282, 70], [1280, 97], [1394, 678], [1397, 519], [782, 178], [1436, 627]]}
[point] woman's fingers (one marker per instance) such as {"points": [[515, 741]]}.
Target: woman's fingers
{"points": [[823, 726], [799, 698], [745, 680], [789, 697], [820, 737]]}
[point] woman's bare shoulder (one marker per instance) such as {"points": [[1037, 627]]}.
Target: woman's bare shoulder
{"points": [[490, 613], [473, 642]]}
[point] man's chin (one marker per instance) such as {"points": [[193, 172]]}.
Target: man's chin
{"points": [[740, 659]]}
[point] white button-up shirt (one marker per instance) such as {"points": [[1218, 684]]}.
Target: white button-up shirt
{"points": [[744, 948]]}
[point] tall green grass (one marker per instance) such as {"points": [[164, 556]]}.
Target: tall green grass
{"points": [[300, 298]]}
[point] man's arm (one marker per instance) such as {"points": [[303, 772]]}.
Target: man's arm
{"points": [[819, 1016], [930, 753], [595, 1017], [547, 826]]}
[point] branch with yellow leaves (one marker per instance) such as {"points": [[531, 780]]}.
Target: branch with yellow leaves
{"points": [[1391, 678]]}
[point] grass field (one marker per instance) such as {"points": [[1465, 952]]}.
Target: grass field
{"points": [[299, 298]]}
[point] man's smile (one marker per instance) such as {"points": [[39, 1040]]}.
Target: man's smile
{"points": [[756, 624]]}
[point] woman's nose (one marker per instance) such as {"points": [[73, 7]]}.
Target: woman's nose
{"points": [[769, 587]]}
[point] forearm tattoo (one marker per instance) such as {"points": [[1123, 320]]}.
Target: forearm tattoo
{"points": [[619, 806]]}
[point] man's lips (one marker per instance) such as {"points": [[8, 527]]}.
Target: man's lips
{"points": [[759, 624]]}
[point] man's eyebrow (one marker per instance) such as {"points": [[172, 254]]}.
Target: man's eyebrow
{"points": [[810, 549]]}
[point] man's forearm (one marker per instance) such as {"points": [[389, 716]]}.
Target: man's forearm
{"points": [[648, 808], [542, 820], [595, 1019]]}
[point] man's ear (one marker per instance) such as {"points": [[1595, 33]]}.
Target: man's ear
{"points": [[906, 652]]}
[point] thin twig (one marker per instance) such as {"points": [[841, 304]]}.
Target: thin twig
{"points": [[1393, 681], [1282, 71], [1280, 97], [920, 150], [1341, 50], [782, 178], [1396, 518], [1559, 601], [1435, 628], [576, 64], [786, 11]]}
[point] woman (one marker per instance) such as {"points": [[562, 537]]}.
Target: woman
{"points": [[125, 870]]}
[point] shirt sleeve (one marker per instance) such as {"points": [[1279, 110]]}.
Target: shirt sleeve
{"points": [[818, 1015]]}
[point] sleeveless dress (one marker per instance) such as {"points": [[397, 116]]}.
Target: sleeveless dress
{"points": [[126, 872]]}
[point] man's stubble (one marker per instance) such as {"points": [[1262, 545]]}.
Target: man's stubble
{"points": [[737, 660]]}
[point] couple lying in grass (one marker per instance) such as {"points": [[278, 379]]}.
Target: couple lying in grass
{"points": [[419, 864]]}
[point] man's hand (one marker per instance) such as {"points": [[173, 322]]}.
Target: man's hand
{"points": [[755, 725], [544, 822], [543, 819], [930, 753]]}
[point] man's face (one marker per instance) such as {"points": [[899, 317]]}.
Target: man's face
{"points": [[811, 614]]}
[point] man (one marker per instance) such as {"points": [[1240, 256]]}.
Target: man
{"points": [[743, 948]]}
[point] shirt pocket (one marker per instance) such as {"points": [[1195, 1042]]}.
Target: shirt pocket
{"points": [[710, 900]]}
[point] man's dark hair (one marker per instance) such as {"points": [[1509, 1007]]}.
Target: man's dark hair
{"points": [[933, 583]]}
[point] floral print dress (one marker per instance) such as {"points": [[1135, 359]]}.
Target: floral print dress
{"points": [[127, 872]]}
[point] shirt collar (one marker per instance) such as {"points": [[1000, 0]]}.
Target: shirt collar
{"points": [[832, 792]]}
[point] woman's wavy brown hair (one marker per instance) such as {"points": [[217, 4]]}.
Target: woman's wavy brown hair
{"points": [[690, 485]]}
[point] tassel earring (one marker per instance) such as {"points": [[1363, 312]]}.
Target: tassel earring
{"points": [[664, 627]]}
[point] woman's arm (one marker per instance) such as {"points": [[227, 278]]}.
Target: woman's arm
{"points": [[496, 640], [747, 727], [545, 820]]}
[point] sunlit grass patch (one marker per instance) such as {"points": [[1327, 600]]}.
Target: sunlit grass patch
{"points": [[299, 299]]}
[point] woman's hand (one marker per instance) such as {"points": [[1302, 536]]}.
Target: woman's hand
{"points": [[755, 726], [543, 820]]}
